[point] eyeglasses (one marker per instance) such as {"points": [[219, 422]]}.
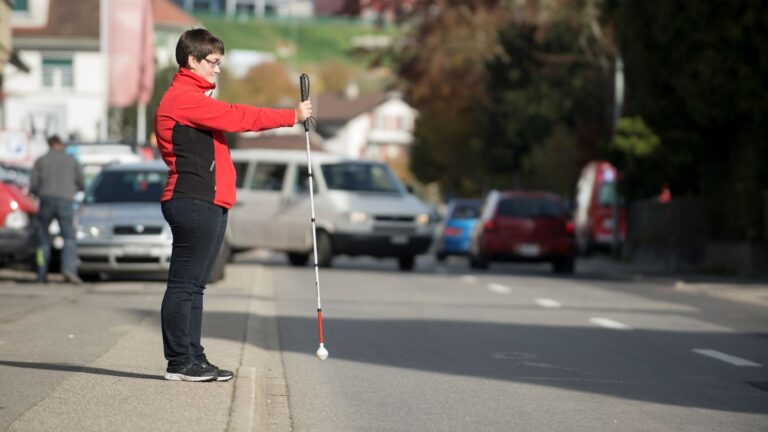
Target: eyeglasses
{"points": [[213, 63]]}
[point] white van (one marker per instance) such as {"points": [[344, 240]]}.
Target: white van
{"points": [[361, 208]]}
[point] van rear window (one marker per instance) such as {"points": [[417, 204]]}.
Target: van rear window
{"points": [[361, 177], [530, 208]]}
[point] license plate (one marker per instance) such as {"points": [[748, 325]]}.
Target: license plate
{"points": [[399, 239], [136, 250], [529, 250]]}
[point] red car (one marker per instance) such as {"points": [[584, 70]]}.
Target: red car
{"points": [[17, 210], [596, 201], [523, 226]]}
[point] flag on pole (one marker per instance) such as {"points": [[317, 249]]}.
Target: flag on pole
{"points": [[131, 52]]}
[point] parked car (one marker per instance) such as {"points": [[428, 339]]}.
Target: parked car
{"points": [[596, 199], [121, 229], [94, 156], [361, 208], [17, 233], [460, 217], [523, 226]]}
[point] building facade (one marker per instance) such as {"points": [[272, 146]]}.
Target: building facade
{"points": [[63, 92]]}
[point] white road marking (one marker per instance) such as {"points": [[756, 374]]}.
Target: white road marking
{"points": [[736, 361], [609, 323], [499, 289], [469, 279], [508, 355], [548, 303]]}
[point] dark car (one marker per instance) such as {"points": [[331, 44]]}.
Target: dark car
{"points": [[461, 215], [17, 210], [120, 226], [524, 226]]}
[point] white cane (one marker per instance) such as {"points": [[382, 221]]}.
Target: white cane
{"points": [[322, 353]]}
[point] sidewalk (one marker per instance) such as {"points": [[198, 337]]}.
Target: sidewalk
{"points": [[752, 291], [124, 390]]}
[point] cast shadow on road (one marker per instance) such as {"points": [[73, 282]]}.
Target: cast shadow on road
{"points": [[68, 367], [644, 365]]}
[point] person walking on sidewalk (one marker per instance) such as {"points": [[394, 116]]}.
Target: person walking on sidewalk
{"points": [[190, 127], [56, 177]]}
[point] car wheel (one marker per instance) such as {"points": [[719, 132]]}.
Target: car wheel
{"points": [[298, 259], [324, 249], [478, 261], [406, 262], [219, 267], [563, 265]]}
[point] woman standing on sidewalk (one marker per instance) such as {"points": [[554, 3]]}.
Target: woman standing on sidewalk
{"points": [[190, 128]]}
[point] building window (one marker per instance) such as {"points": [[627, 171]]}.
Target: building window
{"points": [[57, 72], [20, 5]]}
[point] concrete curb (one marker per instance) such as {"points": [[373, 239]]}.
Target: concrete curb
{"points": [[260, 399]]}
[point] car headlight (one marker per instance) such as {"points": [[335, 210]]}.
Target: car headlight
{"points": [[423, 219], [90, 231], [358, 217], [17, 219]]}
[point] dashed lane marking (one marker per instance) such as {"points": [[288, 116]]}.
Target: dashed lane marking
{"points": [[736, 361], [609, 323], [499, 289], [548, 303]]}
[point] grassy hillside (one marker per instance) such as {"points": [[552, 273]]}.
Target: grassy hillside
{"points": [[297, 41]]}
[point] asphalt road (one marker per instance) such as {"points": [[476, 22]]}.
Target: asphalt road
{"points": [[440, 349], [516, 349]]}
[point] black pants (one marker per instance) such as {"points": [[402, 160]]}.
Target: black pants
{"points": [[198, 230]]}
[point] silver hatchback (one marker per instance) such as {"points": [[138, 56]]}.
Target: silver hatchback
{"points": [[120, 227]]}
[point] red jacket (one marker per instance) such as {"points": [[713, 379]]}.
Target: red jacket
{"points": [[190, 128]]}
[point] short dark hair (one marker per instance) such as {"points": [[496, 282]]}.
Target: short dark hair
{"points": [[54, 140], [198, 43]]}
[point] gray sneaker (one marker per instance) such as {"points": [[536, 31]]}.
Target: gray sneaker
{"points": [[221, 374], [194, 372], [72, 278]]}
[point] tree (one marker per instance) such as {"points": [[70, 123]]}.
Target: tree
{"points": [[696, 73], [492, 80], [267, 84]]}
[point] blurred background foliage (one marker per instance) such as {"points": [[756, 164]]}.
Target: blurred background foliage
{"points": [[520, 94], [505, 88]]}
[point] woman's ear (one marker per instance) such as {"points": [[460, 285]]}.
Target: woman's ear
{"points": [[192, 62]]}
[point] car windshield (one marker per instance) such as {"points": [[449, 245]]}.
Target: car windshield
{"points": [[606, 195], [530, 208], [127, 186], [466, 210], [360, 177]]}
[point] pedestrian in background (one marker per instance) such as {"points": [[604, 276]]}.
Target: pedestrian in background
{"points": [[56, 177], [190, 128]]}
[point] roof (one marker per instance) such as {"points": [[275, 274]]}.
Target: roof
{"points": [[283, 155], [153, 165], [67, 19], [277, 142], [530, 194], [168, 13], [329, 7], [331, 107]]}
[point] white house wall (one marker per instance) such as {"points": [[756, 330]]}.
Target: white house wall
{"points": [[68, 112], [351, 139]]}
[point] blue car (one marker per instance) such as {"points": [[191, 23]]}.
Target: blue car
{"points": [[461, 216]]}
